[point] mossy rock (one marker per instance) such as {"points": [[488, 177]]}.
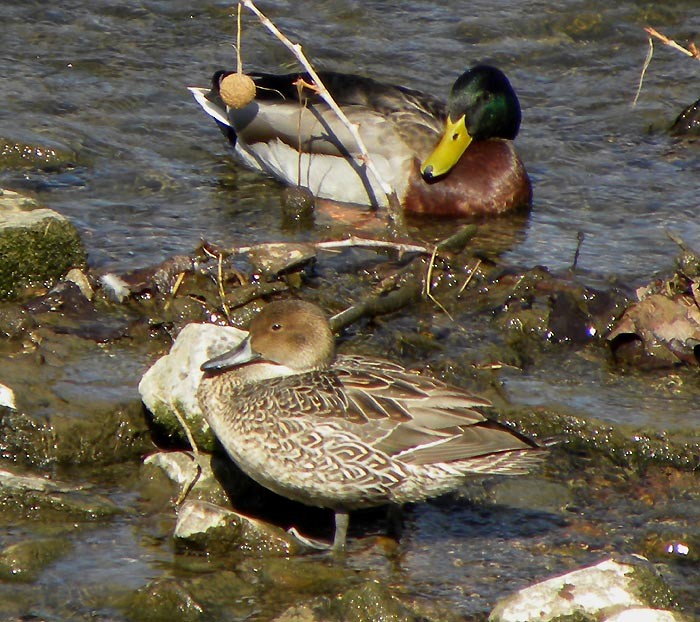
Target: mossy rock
{"points": [[25, 560], [114, 433], [22, 155], [37, 245]]}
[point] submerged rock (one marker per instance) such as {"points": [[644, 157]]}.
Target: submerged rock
{"points": [[92, 432], [41, 498], [37, 245], [23, 561], [368, 602], [204, 595], [22, 155], [595, 593]]}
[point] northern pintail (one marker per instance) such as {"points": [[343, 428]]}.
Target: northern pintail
{"points": [[346, 432]]}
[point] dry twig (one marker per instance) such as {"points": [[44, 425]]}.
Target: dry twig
{"points": [[692, 51], [394, 207], [353, 241]]}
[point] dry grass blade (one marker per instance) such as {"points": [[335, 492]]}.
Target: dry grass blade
{"points": [[394, 207]]}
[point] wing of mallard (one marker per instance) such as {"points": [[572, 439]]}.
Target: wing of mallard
{"points": [[396, 114], [352, 90]]}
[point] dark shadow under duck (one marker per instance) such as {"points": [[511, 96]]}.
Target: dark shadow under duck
{"points": [[454, 159]]}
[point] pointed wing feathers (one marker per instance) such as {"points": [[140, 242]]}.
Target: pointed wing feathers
{"points": [[414, 419]]}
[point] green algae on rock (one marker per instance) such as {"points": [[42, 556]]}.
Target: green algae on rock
{"points": [[24, 561], [25, 155], [37, 245]]}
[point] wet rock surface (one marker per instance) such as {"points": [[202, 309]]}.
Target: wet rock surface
{"points": [[207, 527], [80, 361], [688, 122], [38, 246], [169, 387], [598, 592]]}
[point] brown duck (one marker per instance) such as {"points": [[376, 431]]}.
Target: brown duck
{"points": [[346, 432]]}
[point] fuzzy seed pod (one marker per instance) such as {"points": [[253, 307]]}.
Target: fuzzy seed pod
{"points": [[237, 90]]}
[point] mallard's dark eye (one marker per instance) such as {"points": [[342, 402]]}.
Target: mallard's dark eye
{"points": [[276, 326]]}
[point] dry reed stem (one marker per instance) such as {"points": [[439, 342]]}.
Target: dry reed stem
{"points": [[239, 62], [692, 51], [394, 208]]}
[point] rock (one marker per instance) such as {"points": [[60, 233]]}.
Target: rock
{"points": [[299, 575], [607, 588], [180, 468], [170, 385], [92, 432], [24, 560], [373, 601], [369, 602], [205, 526], [203, 595], [37, 245], [44, 499], [82, 281], [23, 155], [7, 397], [300, 613], [165, 600], [644, 615], [273, 259]]}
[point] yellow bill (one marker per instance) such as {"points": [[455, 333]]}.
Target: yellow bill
{"points": [[449, 150]]}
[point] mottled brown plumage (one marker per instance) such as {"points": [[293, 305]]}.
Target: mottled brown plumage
{"points": [[346, 432]]}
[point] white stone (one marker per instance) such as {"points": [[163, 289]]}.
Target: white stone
{"points": [[234, 531], [605, 588], [172, 382], [644, 615], [179, 466], [7, 397], [195, 517]]}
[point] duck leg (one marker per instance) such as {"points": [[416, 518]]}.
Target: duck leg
{"points": [[342, 520]]}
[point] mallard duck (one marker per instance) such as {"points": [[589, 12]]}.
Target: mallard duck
{"points": [[473, 169], [346, 432]]}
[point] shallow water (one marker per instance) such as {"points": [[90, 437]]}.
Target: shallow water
{"points": [[152, 175]]}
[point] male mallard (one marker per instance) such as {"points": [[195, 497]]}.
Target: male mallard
{"points": [[346, 432], [473, 170]]}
